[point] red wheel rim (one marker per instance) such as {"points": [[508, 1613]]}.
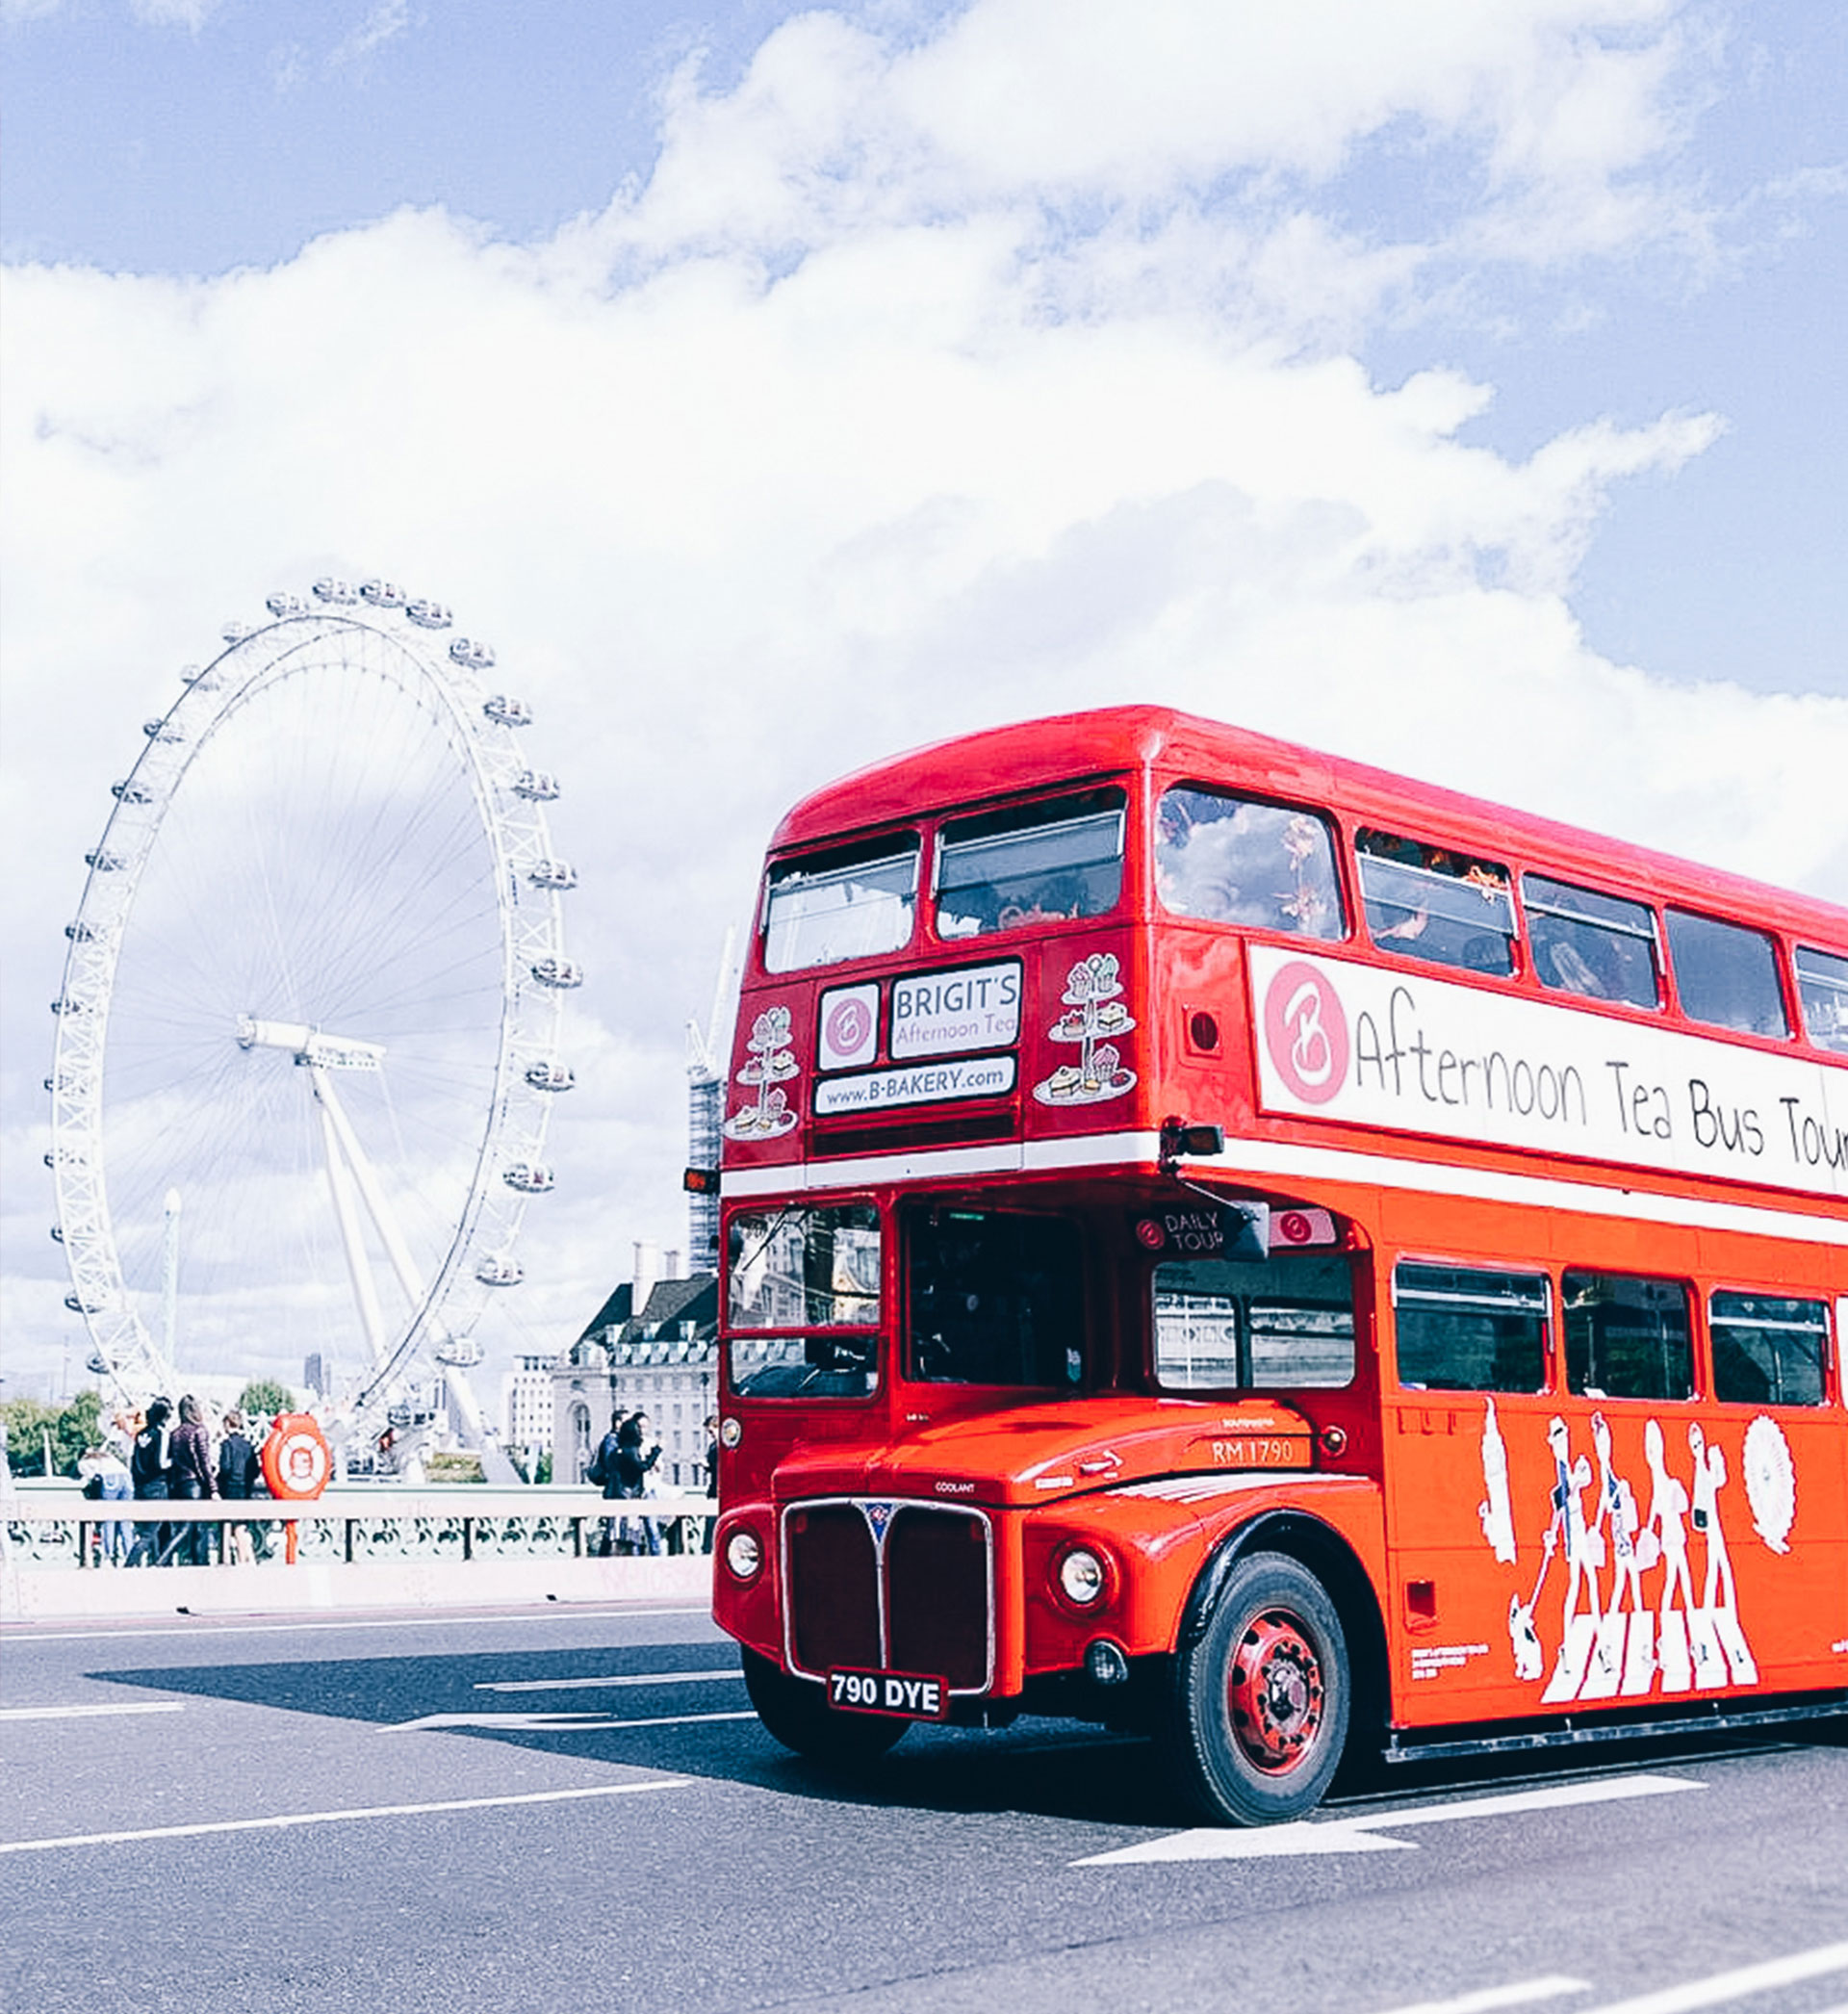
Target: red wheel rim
{"points": [[1275, 1692]]}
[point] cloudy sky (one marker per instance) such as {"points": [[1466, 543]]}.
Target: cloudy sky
{"points": [[1452, 383]]}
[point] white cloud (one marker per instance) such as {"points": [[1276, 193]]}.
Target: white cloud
{"points": [[386, 22], [920, 388]]}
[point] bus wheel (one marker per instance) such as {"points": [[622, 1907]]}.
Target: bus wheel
{"points": [[1262, 1702], [795, 1711]]}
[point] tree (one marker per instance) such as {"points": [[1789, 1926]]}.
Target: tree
{"points": [[265, 1396], [71, 1429]]}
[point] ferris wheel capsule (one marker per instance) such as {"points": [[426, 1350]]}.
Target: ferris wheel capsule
{"points": [[428, 616], [552, 874], [551, 1076], [286, 605], [531, 1178], [471, 654], [557, 971], [336, 592], [536, 786], [508, 712], [381, 594]]}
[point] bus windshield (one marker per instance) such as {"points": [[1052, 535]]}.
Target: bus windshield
{"points": [[995, 1299], [853, 902], [802, 1282]]}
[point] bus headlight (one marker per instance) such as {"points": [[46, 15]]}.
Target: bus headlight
{"points": [[1084, 1579], [744, 1554]]}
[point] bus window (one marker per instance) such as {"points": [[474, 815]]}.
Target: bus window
{"points": [[1428, 902], [995, 1299], [1726, 975], [1256, 1325], [1599, 945], [852, 902], [805, 1281], [1822, 986], [1626, 1337], [1031, 863], [1768, 1351], [1465, 1328], [1234, 860]]}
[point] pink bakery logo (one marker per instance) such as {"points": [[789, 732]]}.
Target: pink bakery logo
{"points": [[1305, 1030], [849, 1026]]}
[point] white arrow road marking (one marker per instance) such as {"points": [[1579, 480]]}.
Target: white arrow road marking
{"points": [[88, 1712], [555, 1723], [627, 1678], [1360, 1835], [287, 1820], [1522, 1994]]}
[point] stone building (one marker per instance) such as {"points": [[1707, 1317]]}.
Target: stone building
{"points": [[656, 1352]]}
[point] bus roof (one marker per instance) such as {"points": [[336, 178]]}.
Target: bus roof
{"points": [[978, 769]]}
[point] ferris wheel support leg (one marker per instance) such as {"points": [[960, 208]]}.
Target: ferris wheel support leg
{"points": [[376, 1207], [345, 1209]]}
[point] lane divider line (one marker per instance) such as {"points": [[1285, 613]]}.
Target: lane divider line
{"points": [[625, 1678], [1725, 1987], [287, 1820], [1522, 1994], [90, 1712], [556, 1723]]}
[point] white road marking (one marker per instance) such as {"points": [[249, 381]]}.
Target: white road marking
{"points": [[556, 1723], [1523, 1994], [90, 1712], [627, 1678], [1360, 1835], [1725, 1987], [23, 1636], [285, 1820]]}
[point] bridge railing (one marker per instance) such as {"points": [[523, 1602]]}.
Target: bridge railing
{"points": [[54, 1526]]}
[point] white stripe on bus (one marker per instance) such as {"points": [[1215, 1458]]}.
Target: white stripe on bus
{"points": [[1311, 1164]]}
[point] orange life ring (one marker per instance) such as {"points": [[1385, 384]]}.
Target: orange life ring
{"points": [[295, 1459]]}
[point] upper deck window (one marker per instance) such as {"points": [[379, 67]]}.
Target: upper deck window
{"points": [[851, 902], [806, 1279], [1598, 945], [1031, 863], [1430, 902], [1726, 975], [995, 1299], [1822, 986], [1223, 1325], [1235, 860]]}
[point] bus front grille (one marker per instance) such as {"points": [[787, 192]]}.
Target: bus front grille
{"points": [[876, 1586]]}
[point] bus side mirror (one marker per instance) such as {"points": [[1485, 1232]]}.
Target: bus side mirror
{"points": [[1194, 1142]]}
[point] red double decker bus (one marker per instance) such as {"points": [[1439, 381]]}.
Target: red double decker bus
{"points": [[1225, 1242]]}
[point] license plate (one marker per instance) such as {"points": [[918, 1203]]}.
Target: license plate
{"points": [[907, 1694]]}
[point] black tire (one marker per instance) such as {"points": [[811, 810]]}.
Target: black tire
{"points": [[796, 1711], [1262, 1701]]}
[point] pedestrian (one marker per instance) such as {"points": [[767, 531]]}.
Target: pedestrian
{"points": [[711, 1475], [237, 1471], [634, 1459], [192, 1479], [150, 1468], [602, 1472], [107, 1479]]}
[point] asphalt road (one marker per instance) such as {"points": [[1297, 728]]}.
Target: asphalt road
{"points": [[573, 1810]]}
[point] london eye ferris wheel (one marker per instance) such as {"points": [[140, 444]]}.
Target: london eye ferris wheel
{"points": [[307, 1040]]}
